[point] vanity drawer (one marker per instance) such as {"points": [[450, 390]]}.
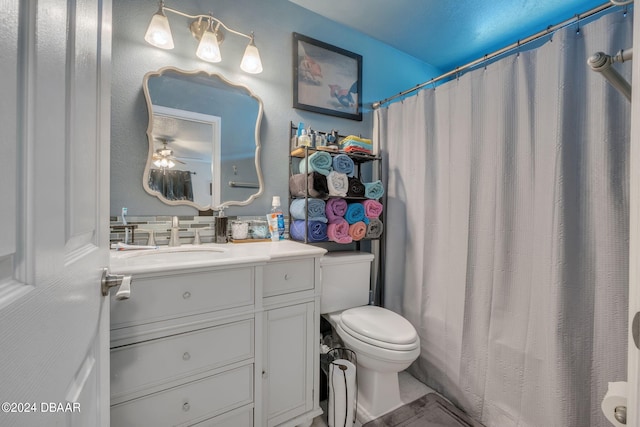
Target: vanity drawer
{"points": [[288, 276], [189, 403], [244, 418], [176, 295], [151, 363]]}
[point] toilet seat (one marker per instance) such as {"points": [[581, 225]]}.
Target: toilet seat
{"points": [[379, 327]]}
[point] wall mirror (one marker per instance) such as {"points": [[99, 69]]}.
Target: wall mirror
{"points": [[204, 140]]}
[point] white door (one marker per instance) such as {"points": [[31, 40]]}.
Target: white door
{"points": [[54, 186], [633, 369]]}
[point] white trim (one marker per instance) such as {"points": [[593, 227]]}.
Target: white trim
{"points": [[216, 156], [633, 359], [145, 87]]}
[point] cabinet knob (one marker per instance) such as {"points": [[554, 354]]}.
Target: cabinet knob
{"points": [[186, 356], [186, 407], [286, 277], [264, 374], [186, 295]]}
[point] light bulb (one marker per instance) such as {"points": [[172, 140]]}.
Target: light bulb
{"points": [[157, 163], [208, 49], [164, 163], [170, 164], [251, 62], [158, 32]]}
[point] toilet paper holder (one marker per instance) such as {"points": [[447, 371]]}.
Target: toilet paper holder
{"points": [[332, 359], [614, 404], [620, 414]]}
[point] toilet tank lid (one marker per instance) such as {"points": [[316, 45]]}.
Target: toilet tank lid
{"points": [[345, 257]]}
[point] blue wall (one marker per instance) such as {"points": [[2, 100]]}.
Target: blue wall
{"points": [[385, 71]]}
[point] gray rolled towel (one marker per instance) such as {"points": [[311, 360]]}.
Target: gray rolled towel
{"points": [[315, 187], [374, 229]]}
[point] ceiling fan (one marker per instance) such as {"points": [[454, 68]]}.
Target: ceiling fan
{"points": [[163, 157]]}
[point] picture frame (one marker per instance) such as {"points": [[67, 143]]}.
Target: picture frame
{"points": [[326, 79]]}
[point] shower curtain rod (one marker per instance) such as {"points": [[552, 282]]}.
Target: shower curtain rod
{"points": [[550, 29]]}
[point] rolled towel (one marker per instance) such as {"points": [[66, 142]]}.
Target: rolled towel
{"points": [[338, 231], [320, 184], [318, 162], [316, 186], [338, 184], [374, 229], [316, 210], [358, 230], [316, 231], [355, 213], [356, 188], [373, 190], [372, 208], [343, 164], [335, 209]]}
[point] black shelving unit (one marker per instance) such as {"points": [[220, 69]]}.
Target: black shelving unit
{"points": [[302, 154]]}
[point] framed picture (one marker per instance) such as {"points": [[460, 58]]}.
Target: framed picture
{"points": [[326, 78]]}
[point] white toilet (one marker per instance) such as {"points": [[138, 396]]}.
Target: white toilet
{"points": [[385, 343]]}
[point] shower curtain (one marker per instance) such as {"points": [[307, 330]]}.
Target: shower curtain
{"points": [[507, 230], [172, 184]]}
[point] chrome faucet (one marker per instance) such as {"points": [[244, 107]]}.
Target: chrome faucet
{"points": [[174, 240]]}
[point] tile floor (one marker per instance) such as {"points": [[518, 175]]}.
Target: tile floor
{"points": [[410, 390]]}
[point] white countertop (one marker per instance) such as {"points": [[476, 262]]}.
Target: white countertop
{"points": [[206, 255]]}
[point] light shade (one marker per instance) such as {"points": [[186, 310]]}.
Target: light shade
{"points": [[164, 162], [158, 32], [208, 49], [251, 62]]}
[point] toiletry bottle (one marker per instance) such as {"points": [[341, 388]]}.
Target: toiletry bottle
{"points": [[277, 212], [304, 140], [312, 135], [295, 141]]}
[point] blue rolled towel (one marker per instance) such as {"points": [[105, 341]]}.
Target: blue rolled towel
{"points": [[316, 231], [355, 212], [316, 209], [343, 164], [319, 161], [373, 190]]}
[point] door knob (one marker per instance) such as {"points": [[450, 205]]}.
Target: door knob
{"points": [[112, 280]]}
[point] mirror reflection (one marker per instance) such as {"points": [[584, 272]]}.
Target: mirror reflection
{"points": [[203, 140]]}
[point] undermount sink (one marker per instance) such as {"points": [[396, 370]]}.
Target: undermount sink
{"points": [[176, 254]]}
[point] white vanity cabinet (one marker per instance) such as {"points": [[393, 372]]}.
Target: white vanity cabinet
{"points": [[232, 343], [183, 348]]}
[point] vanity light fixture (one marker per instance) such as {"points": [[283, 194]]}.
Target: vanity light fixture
{"points": [[208, 30]]}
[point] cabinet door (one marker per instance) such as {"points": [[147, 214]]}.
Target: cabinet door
{"points": [[288, 365]]}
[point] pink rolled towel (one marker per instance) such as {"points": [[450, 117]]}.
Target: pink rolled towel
{"points": [[372, 208], [338, 231], [335, 209], [358, 230]]}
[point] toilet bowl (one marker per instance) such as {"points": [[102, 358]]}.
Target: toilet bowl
{"points": [[384, 342]]}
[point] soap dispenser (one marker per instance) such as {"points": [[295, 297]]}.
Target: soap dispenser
{"points": [[221, 227]]}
